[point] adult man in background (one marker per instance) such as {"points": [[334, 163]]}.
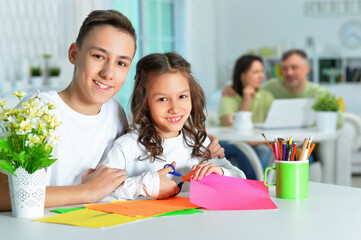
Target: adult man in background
{"points": [[294, 82]]}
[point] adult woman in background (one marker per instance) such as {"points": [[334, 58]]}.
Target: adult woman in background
{"points": [[247, 79]]}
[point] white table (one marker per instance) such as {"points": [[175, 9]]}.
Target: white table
{"points": [[328, 147], [330, 212]]}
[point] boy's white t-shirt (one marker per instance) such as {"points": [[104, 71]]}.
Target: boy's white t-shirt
{"points": [[84, 140], [143, 179]]}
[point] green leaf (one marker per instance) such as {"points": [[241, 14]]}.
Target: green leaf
{"points": [[22, 158], [4, 145], [326, 102], [4, 156], [7, 167]]}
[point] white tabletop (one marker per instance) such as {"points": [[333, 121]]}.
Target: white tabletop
{"points": [[330, 212]]}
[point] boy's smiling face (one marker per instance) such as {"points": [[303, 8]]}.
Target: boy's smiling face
{"points": [[101, 65]]}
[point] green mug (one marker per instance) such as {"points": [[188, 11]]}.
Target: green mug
{"points": [[291, 179]]}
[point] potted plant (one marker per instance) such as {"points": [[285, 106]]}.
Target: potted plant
{"points": [[54, 73], [326, 107], [46, 57], [26, 151], [36, 77]]}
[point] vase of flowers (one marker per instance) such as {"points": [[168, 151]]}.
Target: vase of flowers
{"points": [[26, 151]]}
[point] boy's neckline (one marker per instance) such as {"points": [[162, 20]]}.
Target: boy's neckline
{"points": [[66, 99], [66, 108]]}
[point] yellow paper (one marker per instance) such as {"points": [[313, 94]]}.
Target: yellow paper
{"points": [[89, 218]]}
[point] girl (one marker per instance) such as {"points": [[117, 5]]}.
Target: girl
{"points": [[168, 126], [247, 80]]}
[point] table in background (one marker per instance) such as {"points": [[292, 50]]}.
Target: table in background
{"points": [[330, 212], [329, 147]]}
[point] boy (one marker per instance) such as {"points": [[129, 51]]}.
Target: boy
{"points": [[91, 120]]}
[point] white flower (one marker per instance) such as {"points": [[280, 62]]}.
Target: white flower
{"points": [[52, 138], [35, 122], [2, 103], [19, 94], [33, 139], [25, 125]]}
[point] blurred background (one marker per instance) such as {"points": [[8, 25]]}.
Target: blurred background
{"points": [[210, 34]]}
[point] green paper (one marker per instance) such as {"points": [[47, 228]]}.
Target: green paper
{"points": [[182, 212], [65, 210]]}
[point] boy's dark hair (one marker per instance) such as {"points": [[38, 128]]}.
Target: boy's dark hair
{"points": [[155, 65], [291, 52], [243, 64], [105, 17]]}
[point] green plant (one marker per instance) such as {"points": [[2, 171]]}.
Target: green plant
{"points": [[35, 71], [326, 102], [29, 135], [54, 71], [46, 55]]}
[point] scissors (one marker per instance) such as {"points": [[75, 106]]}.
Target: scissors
{"points": [[185, 178]]}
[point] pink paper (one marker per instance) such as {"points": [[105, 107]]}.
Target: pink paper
{"points": [[218, 192]]}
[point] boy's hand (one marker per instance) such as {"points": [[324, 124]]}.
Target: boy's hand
{"points": [[167, 187], [228, 91], [102, 181], [215, 149], [205, 169]]}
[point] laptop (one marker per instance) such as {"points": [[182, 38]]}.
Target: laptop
{"points": [[289, 113]]}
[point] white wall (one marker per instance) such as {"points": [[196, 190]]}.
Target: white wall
{"points": [[200, 41]]}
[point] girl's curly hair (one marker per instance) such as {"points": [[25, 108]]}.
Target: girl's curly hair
{"points": [[194, 127]]}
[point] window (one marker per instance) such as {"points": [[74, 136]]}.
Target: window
{"points": [[154, 23]]}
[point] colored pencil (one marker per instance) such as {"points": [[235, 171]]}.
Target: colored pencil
{"points": [[298, 153], [311, 149], [274, 154], [304, 147], [276, 149], [293, 151]]}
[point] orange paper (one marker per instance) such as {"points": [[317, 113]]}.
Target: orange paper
{"points": [[144, 208]]}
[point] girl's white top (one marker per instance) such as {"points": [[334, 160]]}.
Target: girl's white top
{"points": [[142, 174]]}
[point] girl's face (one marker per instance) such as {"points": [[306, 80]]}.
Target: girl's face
{"points": [[169, 102], [254, 76]]}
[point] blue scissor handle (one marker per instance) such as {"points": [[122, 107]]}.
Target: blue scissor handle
{"points": [[174, 172]]}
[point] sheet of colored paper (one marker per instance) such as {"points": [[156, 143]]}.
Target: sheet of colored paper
{"points": [[144, 208], [218, 192], [182, 212], [89, 218], [65, 210]]}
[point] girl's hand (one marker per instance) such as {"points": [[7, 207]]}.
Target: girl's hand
{"points": [[167, 187], [205, 169], [248, 94]]}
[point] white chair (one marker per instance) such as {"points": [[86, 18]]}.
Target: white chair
{"points": [[350, 138], [213, 120]]}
